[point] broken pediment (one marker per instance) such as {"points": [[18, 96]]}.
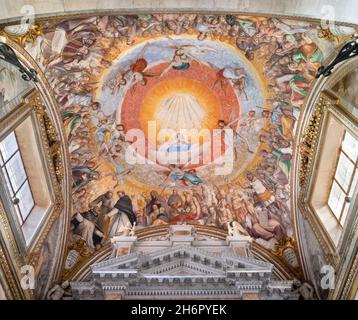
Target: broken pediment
{"points": [[180, 266], [177, 259]]}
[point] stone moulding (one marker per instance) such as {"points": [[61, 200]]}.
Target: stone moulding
{"points": [[82, 269], [43, 105]]}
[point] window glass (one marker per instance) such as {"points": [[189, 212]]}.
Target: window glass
{"points": [[336, 199], [344, 171], [345, 179], [16, 171], [350, 146], [8, 146], [348, 204], [8, 183], [15, 177], [26, 202]]}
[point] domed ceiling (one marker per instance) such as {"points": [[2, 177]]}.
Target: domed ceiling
{"points": [[130, 89]]}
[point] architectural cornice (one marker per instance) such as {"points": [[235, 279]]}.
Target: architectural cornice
{"points": [[303, 10], [174, 269], [82, 269]]}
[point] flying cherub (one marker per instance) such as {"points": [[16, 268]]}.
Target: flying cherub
{"points": [[184, 54], [179, 175], [138, 71], [116, 82], [235, 76]]}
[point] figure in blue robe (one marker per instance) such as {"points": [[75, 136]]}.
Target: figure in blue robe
{"points": [[192, 178]]}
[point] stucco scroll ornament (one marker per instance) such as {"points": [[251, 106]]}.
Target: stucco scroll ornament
{"points": [[336, 33], [23, 33], [52, 138], [60, 292], [55, 148], [285, 249]]}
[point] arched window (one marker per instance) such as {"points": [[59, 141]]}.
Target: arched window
{"points": [[27, 193], [328, 177], [34, 182]]}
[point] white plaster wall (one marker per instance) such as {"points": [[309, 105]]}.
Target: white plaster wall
{"points": [[314, 258], [344, 10]]}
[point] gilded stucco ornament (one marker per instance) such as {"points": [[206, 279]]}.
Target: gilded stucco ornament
{"points": [[308, 145], [23, 33], [339, 34], [307, 159], [285, 249]]}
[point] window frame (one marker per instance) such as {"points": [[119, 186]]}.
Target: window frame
{"points": [[313, 165], [28, 237]]}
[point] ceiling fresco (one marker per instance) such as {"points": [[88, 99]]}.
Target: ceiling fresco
{"points": [[126, 86]]}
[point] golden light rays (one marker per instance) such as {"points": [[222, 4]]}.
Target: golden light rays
{"points": [[205, 99]]}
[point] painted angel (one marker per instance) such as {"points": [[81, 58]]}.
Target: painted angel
{"points": [[235, 76], [180, 175], [71, 121], [248, 128], [116, 82], [183, 55], [138, 71]]}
